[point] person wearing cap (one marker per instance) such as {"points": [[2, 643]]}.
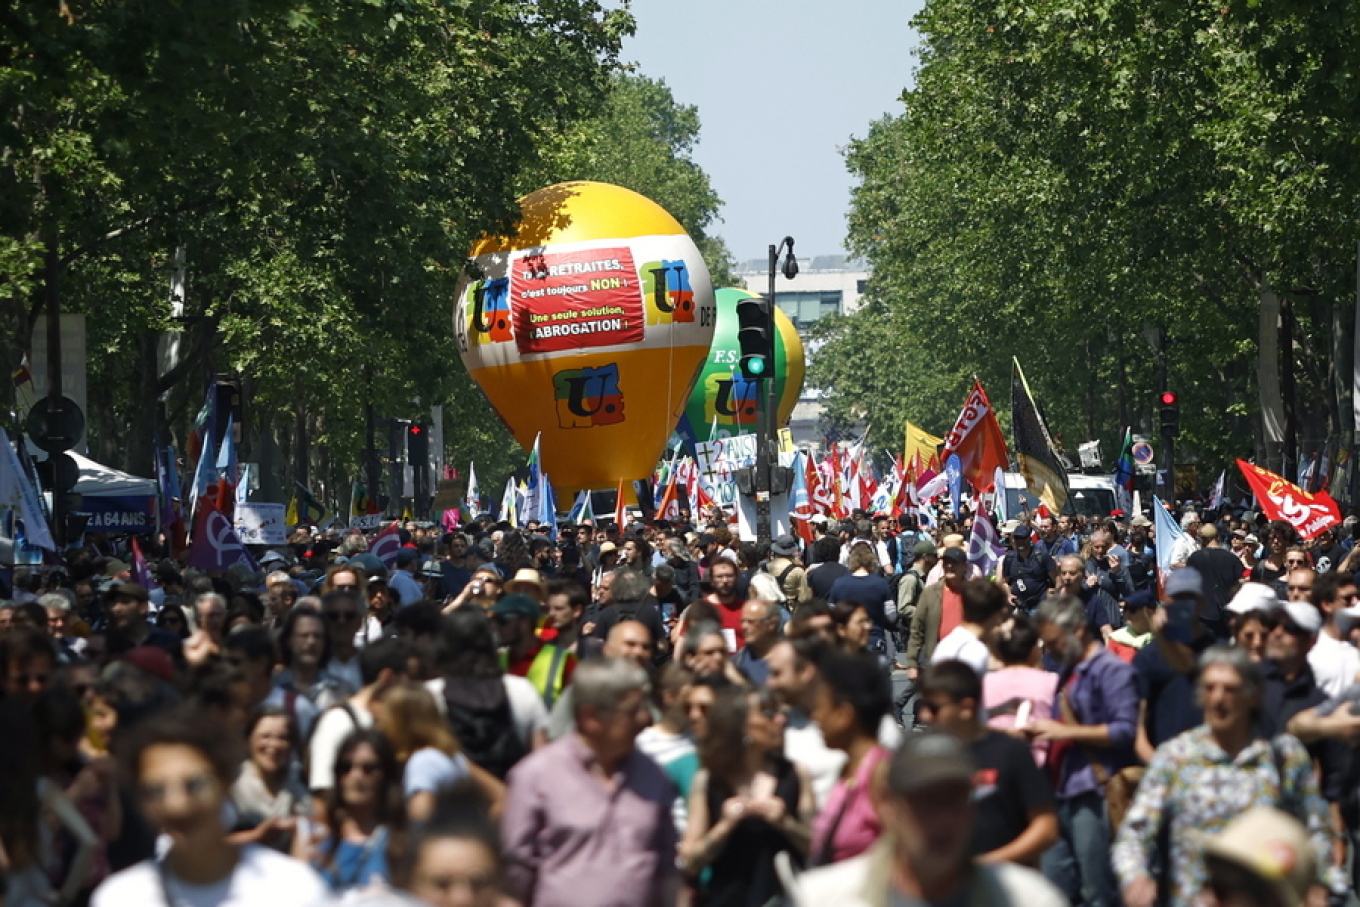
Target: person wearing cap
{"points": [[1251, 546], [1291, 688], [1200, 780], [1221, 571], [1252, 614], [938, 612], [909, 589], [925, 801], [128, 605], [402, 581], [516, 617], [1136, 633], [1098, 706], [1166, 670], [952, 540], [1027, 572], [784, 567]]}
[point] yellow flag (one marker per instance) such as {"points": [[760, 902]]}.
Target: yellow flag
{"points": [[290, 516], [923, 445]]}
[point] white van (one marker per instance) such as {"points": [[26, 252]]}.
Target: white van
{"points": [[1091, 496]]}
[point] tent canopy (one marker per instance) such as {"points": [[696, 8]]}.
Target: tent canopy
{"points": [[96, 480]]}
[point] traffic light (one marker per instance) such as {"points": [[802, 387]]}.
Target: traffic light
{"points": [[417, 444], [1171, 413], [755, 337]]}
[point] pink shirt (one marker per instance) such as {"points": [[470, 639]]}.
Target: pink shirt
{"points": [[858, 826], [1004, 691]]}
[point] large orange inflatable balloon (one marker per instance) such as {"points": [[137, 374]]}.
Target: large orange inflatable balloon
{"points": [[589, 326]]}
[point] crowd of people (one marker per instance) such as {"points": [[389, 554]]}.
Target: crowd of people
{"points": [[663, 714]]}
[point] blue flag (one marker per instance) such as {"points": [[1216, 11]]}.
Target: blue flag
{"points": [[953, 470]]}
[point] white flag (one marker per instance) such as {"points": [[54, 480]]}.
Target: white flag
{"points": [[17, 491]]}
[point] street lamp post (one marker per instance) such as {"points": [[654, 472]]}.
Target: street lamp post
{"points": [[767, 427]]}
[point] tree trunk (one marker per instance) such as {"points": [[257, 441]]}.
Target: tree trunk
{"points": [[1268, 375]]}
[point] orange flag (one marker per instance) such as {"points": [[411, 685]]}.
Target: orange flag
{"points": [[976, 437]]}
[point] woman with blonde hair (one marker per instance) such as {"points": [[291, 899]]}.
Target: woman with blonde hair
{"points": [[408, 716]]}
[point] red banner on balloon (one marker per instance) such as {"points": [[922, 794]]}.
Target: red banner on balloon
{"points": [[1309, 514], [576, 300]]}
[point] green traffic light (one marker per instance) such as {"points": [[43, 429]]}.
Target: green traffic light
{"points": [[756, 366]]}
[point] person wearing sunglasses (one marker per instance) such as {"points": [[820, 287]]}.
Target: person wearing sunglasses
{"points": [[1200, 781], [183, 764], [1335, 662], [345, 612], [1252, 614], [747, 803], [364, 811]]}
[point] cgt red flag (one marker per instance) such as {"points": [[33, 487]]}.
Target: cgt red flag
{"points": [[976, 438], [1309, 514]]}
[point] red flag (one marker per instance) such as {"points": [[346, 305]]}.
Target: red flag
{"points": [[621, 510], [976, 438], [669, 508], [1309, 514]]}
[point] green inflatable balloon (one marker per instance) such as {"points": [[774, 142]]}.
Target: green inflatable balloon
{"points": [[724, 404]]}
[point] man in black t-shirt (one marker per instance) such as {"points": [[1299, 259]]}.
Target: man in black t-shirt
{"points": [[1221, 571], [1012, 799]]}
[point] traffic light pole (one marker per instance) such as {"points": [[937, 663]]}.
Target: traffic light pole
{"points": [[767, 426]]}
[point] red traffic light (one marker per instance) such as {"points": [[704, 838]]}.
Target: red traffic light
{"points": [[416, 429], [1168, 398]]}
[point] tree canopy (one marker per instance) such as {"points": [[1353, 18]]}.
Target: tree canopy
{"points": [[325, 170], [1067, 179]]}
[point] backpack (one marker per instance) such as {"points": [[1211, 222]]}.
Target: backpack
{"points": [[906, 589], [480, 716]]}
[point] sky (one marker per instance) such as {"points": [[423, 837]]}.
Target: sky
{"points": [[781, 87]]}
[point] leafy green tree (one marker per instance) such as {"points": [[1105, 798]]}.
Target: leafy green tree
{"points": [[1067, 179]]}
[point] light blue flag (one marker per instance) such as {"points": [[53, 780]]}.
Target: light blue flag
{"points": [[547, 515], [1167, 535]]}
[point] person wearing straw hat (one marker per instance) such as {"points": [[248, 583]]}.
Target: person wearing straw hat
{"points": [[1202, 779], [528, 581], [1261, 859]]}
